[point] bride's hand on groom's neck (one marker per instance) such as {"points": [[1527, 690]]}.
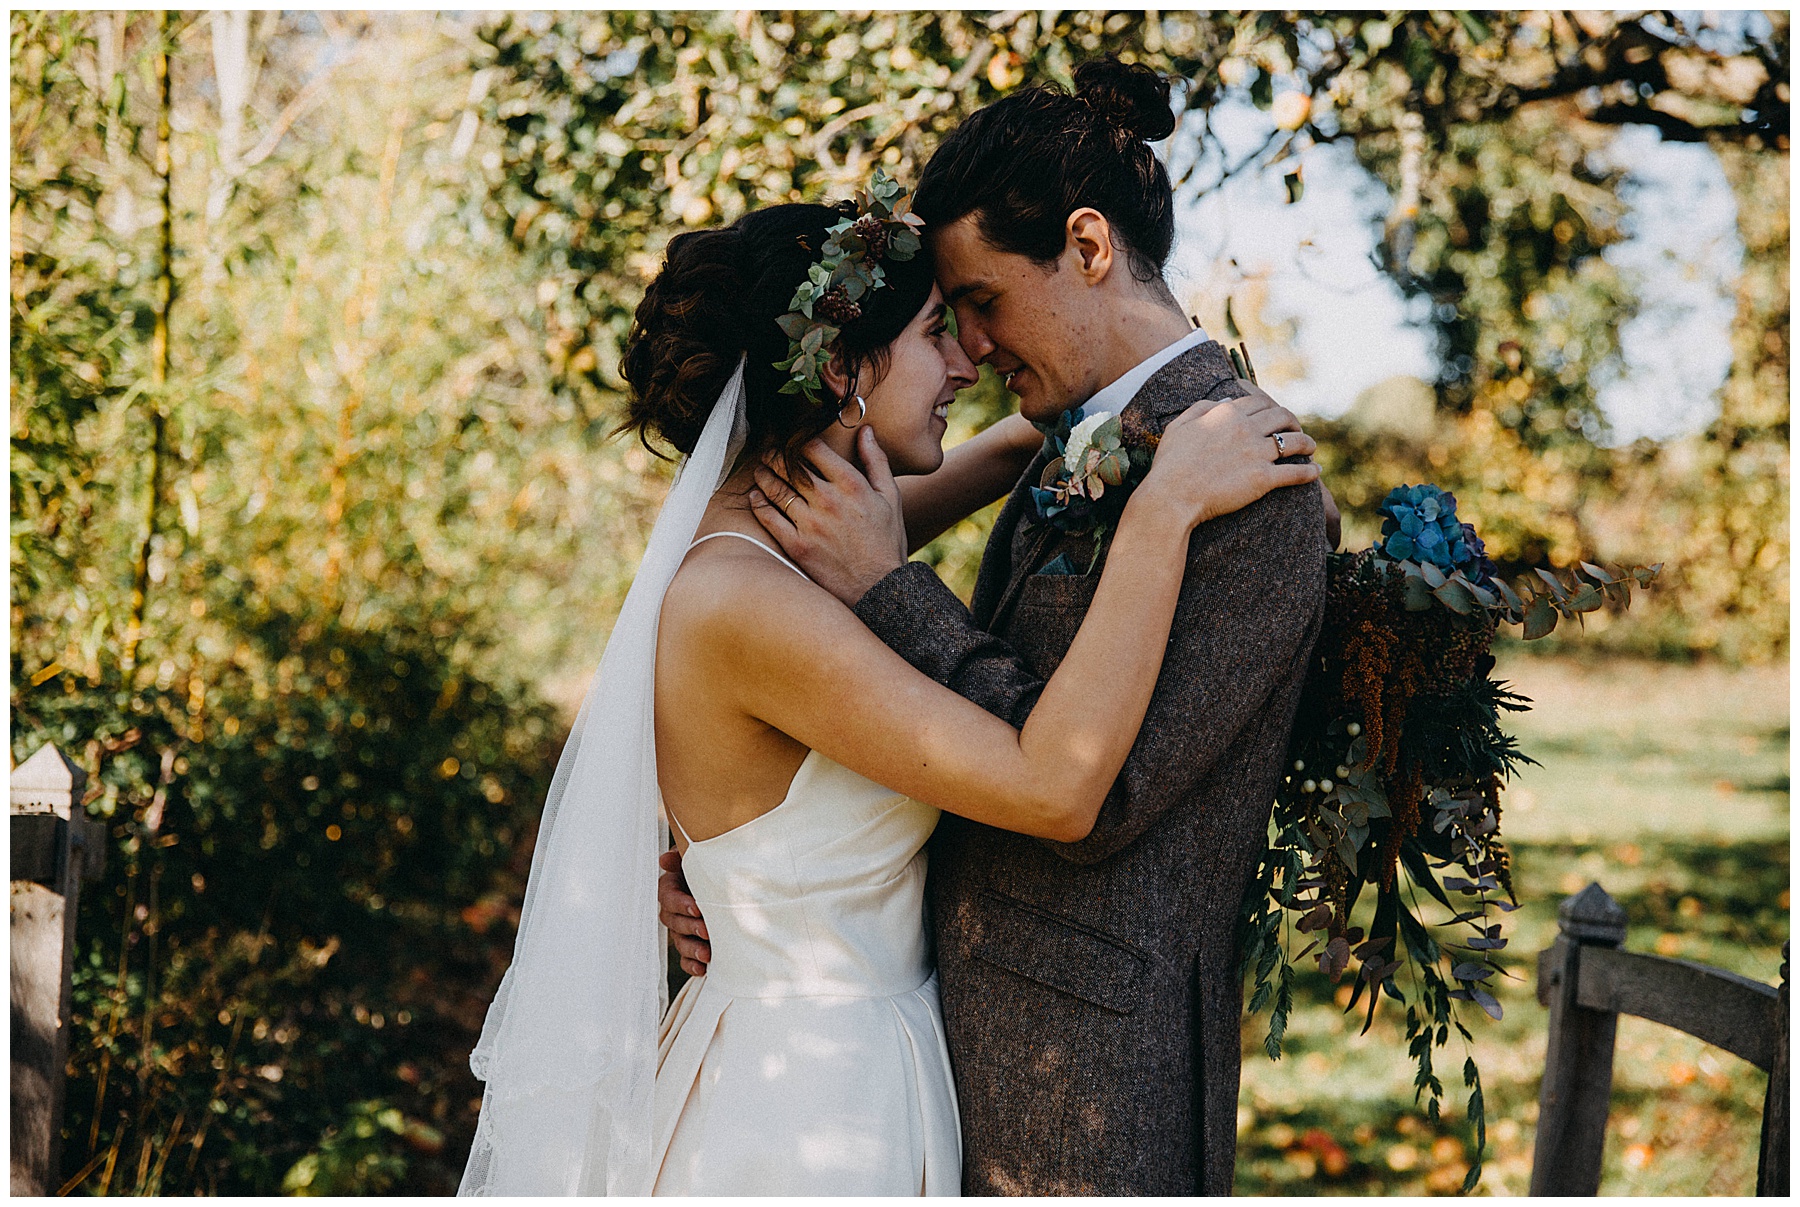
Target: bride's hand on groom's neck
{"points": [[844, 528]]}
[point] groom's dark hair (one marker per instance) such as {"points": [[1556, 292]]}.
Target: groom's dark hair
{"points": [[1026, 162]]}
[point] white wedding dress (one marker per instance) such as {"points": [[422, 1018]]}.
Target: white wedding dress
{"points": [[810, 1059]]}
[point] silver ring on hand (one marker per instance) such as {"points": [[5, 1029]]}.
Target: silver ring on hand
{"points": [[1280, 444]]}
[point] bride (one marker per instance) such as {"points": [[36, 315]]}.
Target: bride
{"points": [[801, 763]]}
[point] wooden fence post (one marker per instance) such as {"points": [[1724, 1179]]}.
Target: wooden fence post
{"points": [[1572, 1106], [1772, 1166], [54, 848]]}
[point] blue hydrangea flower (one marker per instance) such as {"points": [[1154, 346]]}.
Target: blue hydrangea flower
{"points": [[1419, 524]]}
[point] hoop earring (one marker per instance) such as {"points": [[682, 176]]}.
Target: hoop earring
{"points": [[862, 411]]}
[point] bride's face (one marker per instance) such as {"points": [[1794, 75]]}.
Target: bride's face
{"points": [[908, 406]]}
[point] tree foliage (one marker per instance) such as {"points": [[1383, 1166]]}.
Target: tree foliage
{"points": [[405, 251], [1488, 129], [322, 772]]}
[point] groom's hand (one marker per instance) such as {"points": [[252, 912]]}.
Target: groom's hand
{"points": [[681, 914], [843, 528]]}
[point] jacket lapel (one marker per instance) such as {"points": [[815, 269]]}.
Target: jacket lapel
{"points": [[1201, 373], [994, 581]]}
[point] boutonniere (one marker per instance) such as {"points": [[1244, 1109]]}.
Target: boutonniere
{"points": [[1096, 460], [1090, 475]]}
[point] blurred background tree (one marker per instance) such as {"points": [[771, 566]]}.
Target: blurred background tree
{"points": [[321, 769], [1488, 130], [313, 584]]}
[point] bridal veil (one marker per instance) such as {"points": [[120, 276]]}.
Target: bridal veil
{"points": [[568, 1051]]}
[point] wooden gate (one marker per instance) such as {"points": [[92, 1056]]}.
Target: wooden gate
{"points": [[1588, 980]]}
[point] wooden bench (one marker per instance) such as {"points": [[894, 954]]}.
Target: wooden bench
{"points": [[1587, 980]]}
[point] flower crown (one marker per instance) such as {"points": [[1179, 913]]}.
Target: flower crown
{"points": [[882, 228]]}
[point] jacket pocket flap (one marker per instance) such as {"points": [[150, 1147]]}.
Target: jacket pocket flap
{"points": [[1056, 952]]}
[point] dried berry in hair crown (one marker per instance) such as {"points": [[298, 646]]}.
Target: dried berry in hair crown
{"points": [[883, 228]]}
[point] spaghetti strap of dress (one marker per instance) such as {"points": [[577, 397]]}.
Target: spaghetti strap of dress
{"points": [[742, 537], [676, 822], [668, 812]]}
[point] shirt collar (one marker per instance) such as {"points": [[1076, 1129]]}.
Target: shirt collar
{"points": [[1114, 397]]}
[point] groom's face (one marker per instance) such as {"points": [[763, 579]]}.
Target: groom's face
{"points": [[1029, 321]]}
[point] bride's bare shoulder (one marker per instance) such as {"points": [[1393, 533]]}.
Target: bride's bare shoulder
{"points": [[733, 591]]}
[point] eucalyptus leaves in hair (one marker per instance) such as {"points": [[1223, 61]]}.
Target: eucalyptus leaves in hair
{"points": [[849, 269], [721, 295]]}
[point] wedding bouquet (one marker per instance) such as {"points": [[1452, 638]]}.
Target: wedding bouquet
{"points": [[1394, 778]]}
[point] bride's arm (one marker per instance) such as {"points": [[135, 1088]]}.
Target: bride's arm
{"points": [[974, 473], [801, 662]]}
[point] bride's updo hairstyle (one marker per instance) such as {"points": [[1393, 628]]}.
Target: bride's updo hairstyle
{"points": [[1026, 162], [718, 297]]}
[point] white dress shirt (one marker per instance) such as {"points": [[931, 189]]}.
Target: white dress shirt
{"points": [[1114, 396]]}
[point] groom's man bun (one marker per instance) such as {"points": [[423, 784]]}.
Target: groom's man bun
{"points": [[718, 297], [1026, 162], [1129, 95]]}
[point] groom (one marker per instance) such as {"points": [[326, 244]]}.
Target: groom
{"points": [[1090, 990]]}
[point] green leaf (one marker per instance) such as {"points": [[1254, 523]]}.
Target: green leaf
{"points": [[1540, 618], [1433, 577], [1418, 594], [1113, 468], [1231, 328], [1555, 584], [1456, 597], [1479, 593], [1588, 599], [1296, 187], [1511, 597]]}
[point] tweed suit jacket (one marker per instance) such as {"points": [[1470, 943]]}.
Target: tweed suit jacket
{"points": [[1090, 991]]}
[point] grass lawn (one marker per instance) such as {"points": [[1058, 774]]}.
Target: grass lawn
{"points": [[1668, 785]]}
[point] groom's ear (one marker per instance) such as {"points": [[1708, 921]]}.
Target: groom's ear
{"points": [[1089, 244]]}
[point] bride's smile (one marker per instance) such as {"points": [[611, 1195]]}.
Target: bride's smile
{"points": [[909, 403]]}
